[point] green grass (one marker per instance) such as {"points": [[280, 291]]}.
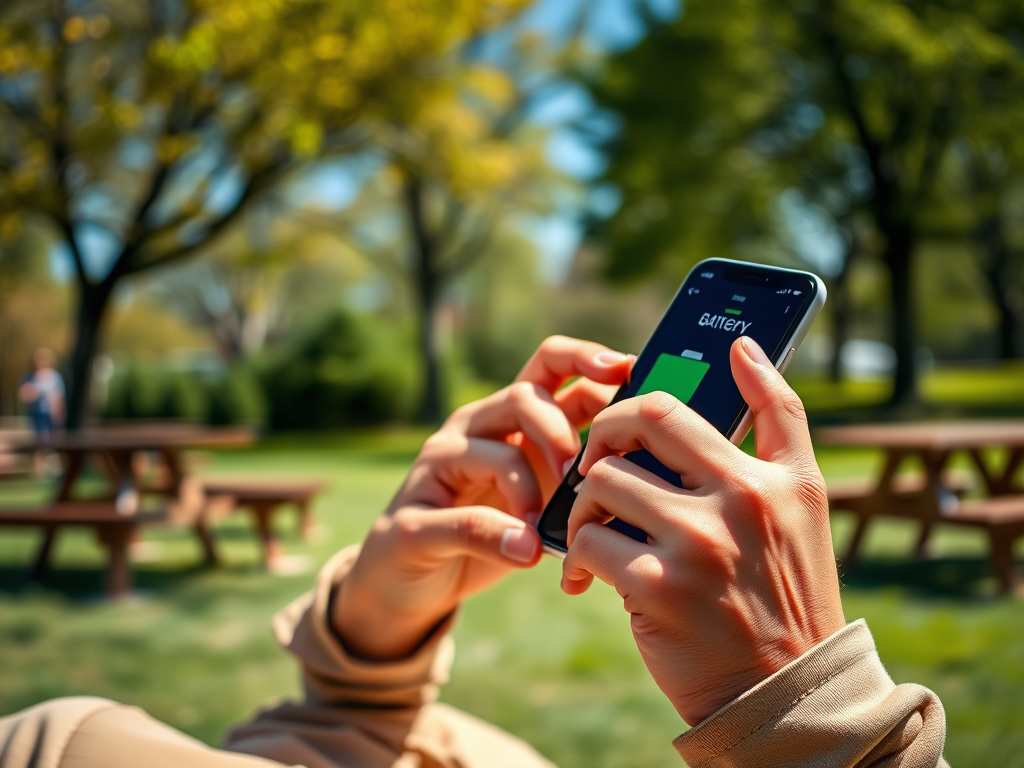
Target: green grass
{"points": [[195, 648]]}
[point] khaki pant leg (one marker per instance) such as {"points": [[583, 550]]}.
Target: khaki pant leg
{"points": [[86, 732]]}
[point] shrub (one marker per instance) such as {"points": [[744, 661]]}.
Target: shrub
{"points": [[346, 372]]}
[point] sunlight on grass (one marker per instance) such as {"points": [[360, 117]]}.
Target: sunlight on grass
{"points": [[195, 649]]}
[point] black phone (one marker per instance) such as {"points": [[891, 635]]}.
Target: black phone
{"points": [[688, 357]]}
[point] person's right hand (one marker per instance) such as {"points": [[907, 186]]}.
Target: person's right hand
{"points": [[465, 515], [737, 578]]}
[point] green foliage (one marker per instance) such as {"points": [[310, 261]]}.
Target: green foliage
{"points": [[345, 372], [137, 392], [237, 398], [140, 391], [185, 397], [846, 110]]}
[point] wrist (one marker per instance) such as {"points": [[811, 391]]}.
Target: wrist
{"points": [[372, 631]]}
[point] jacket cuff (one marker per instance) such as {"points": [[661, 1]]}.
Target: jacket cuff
{"points": [[835, 705], [333, 677]]}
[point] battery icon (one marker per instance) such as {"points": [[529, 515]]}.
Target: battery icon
{"points": [[679, 375]]}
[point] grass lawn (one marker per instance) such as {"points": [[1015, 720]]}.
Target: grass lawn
{"points": [[195, 649]]}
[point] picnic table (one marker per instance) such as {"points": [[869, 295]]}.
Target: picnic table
{"points": [[116, 517], [934, 494]]}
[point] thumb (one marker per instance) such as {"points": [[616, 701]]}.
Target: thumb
{"points": [[476, 531], [780, 422]]}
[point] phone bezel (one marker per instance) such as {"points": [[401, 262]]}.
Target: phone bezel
{"points": [[785, 354]]}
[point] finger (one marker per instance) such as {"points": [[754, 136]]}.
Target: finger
{"points": [[560, 358], [530, 409], [675, 435], [459, 463], [616, 487], [481, 532], [780, 423], [582, 400], [600, 552]]}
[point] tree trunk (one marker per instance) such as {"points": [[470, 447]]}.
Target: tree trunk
{"points": [[427, 288], [996, 259], [898, 257], [841, 314], [93, 300]]}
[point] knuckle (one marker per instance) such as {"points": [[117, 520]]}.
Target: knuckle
{"points": [[750, 491], [521, 393], [406, 526], [437, 445], [553, 342], [813, 492], [583, 544], [602, 473], [790, 403], [657, 407], [458, 417], [473, 528]]}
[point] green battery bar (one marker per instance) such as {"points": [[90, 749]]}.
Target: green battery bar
{"points": [[733, 312], [679, 376]]}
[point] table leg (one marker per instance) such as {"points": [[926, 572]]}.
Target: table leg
{"points": [[42, 561], [119, 572], [1001, 554], [921, 546], [1004, 485], [264, 518], [205, 536], [73, 468], [850, 559], [175, 469], [305, 519]]}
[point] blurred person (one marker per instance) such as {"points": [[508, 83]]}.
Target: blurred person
{"points": [[42, 391], [734, 599]]}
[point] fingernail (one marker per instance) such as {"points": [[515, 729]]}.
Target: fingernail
{"points": [[568, 466], [754, 351], [532, 518], [632, 358], [518, 544], [610, 358]]}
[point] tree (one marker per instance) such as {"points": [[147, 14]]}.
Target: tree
{"points": [[855, 104], [457, 158], [140, 132], [258, 283]]}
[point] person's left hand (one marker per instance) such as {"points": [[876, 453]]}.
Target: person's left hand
{"points": [[465, 515]]}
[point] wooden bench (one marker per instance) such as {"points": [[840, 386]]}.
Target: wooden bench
{"points": [[115, 530], [264, 498], [1000, 517], [13, 466]]}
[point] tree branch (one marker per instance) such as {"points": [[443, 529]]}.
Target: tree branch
{"points": [[59, 148], [257, 182]]}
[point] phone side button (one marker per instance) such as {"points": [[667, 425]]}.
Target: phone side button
{"points": [[786, 360]]}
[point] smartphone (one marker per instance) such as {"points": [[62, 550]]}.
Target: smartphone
{"points": [[688, 357]]}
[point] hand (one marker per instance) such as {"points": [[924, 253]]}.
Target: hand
{"points": [[465, 515], [738, 577]]}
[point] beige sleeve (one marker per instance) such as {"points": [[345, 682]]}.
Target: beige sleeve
{"points": [[355, 715], [89, 732], [359, 714], [835, 706]]}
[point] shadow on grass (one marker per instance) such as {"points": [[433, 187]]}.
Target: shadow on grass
{"points": [[87, 584], [955, 578]]}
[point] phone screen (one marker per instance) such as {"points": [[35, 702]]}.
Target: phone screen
{"points": [[688, 357]]}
